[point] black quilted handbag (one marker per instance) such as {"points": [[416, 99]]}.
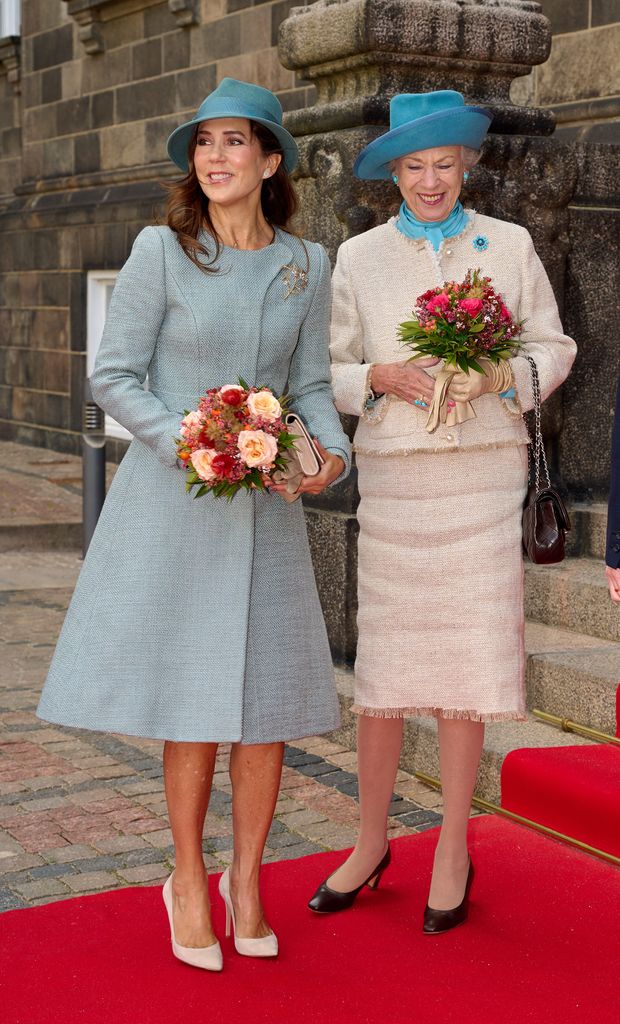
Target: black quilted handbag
{"points": [[545, 517]]}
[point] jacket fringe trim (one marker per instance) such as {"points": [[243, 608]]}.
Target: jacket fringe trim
{"points": [[373, 411], [472, 716], [512, 443]]}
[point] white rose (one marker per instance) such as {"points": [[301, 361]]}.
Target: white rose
{"points": [[257, 448], [190, 424], [265, 405], [201, 461]]}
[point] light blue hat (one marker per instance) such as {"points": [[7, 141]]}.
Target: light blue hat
{"points": [[236, 99], [423, 120]]}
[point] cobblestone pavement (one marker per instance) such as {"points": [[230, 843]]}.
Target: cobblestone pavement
{"points": [[82, 812]]}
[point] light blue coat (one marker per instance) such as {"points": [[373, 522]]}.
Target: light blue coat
{"points": [[199, 619]]}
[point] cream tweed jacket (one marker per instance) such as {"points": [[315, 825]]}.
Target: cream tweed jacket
{"points": [[377, 278]]}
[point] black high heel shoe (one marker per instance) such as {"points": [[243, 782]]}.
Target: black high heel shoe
{"points": [[328, 901], [438, 921]]}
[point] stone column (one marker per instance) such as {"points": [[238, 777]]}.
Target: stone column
{"points": [[359, 53]]}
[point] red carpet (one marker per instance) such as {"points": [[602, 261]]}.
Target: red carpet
{"points": [[541, 945], [575, 790]]}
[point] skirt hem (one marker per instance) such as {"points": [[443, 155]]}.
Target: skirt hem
{"points": [[170, 735], [457, 713]]}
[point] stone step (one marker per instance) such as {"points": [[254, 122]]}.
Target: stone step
{"points": [[40, 498], [588, 529], [420, 751], [572, 595], [572, 675], [33, 536]]}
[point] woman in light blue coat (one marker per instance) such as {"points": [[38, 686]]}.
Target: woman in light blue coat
{"points": [[198, 622]]}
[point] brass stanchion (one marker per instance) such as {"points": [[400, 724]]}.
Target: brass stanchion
{"points": [[566, 725], [486, 805]]}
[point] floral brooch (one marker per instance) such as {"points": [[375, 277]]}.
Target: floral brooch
{"points": [[480, 243], [295, 279]]}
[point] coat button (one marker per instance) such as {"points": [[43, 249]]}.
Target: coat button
{"points": [[449, 437], [616, 547], [448, 252]]}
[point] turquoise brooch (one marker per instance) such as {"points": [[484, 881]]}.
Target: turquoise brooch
{"points": [[480, 243]]}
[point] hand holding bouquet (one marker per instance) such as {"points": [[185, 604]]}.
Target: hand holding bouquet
{"points": [[470, 328], [236, 439]]}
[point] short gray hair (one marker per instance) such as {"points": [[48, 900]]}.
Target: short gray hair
{"points": [[470, 157]]}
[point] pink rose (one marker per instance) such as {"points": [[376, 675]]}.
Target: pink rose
{"points": [[505, 314], [257, 448], [471, 306], [201, 461], [438, 303], [190, 424]]}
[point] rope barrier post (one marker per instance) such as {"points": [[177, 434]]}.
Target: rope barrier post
{"points": [[93, 464]]}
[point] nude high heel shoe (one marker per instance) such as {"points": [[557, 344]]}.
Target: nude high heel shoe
{"points": [[266, 946], [208, 957]]}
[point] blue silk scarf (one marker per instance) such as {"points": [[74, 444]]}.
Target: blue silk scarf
{"points": [[456, 221]]}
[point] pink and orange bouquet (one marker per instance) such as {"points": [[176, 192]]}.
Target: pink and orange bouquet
{"points": [[236, 439], [462, 322]]}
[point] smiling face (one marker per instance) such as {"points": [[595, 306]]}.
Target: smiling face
{"points": [[228, 160], [430, 181]]}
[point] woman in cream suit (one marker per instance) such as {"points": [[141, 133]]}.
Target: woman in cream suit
{"points": [[440, 566]]}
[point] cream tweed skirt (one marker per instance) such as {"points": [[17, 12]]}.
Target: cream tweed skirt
{"points": [[441, 585]]}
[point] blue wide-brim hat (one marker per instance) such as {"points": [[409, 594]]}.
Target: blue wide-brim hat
{"points": [[424, 120], [233, 98]]}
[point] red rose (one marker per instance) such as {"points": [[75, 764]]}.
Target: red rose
{"points": [[222, 463], [471, 306], [506, 315], [233, 395], [204, 441]]}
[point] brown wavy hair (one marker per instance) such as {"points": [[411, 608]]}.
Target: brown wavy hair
{"points": [[187, 207]]}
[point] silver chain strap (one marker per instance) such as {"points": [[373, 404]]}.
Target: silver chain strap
{"points": [[538, 456]]}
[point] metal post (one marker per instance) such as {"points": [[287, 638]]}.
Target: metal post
{"points": [[93, 464]]}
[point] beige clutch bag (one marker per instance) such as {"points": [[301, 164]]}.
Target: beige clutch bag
{"points": [[303, 460]]}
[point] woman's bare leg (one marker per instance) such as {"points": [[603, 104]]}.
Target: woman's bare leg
{"points": [[379, 741], [188, 774], [255, 773], [460, 747]]}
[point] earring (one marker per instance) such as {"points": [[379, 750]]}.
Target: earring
{"points": [[395, 179], [466, 176], [266, 174]]}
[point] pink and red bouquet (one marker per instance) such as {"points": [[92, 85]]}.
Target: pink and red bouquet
{"points": [[235, 439], [461, 322]]}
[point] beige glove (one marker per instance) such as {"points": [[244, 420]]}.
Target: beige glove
{"points": [[465, 387]]}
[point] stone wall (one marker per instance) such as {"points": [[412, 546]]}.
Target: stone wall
{"points": [[10, 116], [581, 80], [103, 83]]}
